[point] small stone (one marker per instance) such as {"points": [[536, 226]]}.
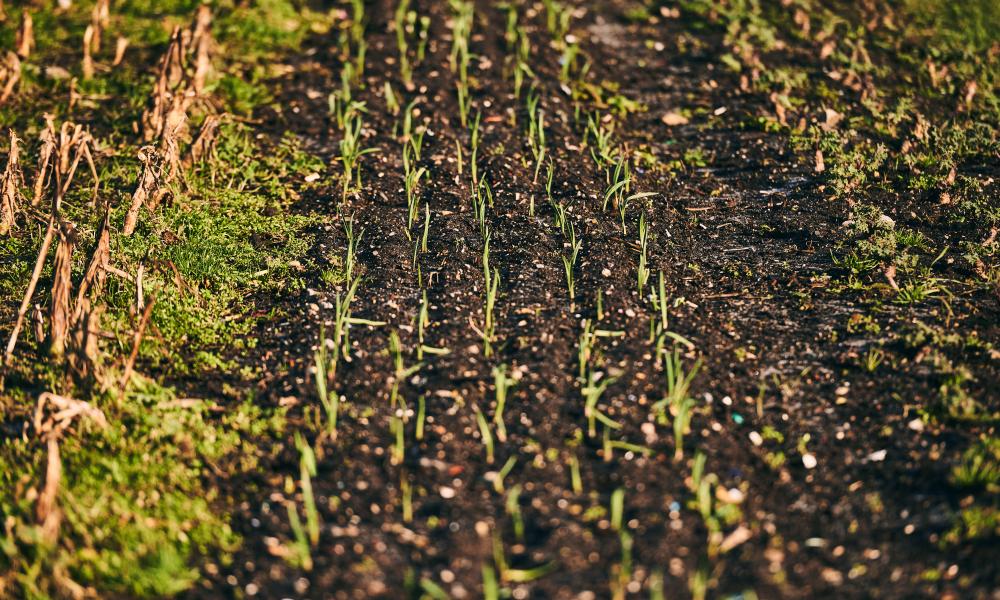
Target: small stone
{"points": [[832, 576], [916, 425], [809, 461], [672, 119], [447, 493], [756, 439]]}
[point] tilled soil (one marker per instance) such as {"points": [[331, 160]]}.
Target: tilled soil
{"points": [[744, 244]]}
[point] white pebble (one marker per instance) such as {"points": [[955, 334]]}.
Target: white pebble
{"points": [[809, 461]]}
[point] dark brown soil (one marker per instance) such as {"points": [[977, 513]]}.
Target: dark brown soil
{"points": [[746, 241]]}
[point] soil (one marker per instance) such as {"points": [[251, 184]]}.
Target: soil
{"points": [[745, 245]]}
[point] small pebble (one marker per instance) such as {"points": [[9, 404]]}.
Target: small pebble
{"points": [[756, 438], [809, 461]]}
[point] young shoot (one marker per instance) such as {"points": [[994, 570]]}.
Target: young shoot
{"points": [[592, 393], [307, 470], [502, 383], [329, 402], [536, 131], [485, 434], [678, 385], [351, 153], [643, 270], [569, 263]]}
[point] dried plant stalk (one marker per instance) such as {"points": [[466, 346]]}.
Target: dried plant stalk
{"points": [[146, 187], [10, 75], [62, 288], [204, 143], [38, 319], [88, 60], [25, 39], [168, 81], [45, 152], [47, 512], [10, 187], [26, 301], [175, 129], [94, 278], [65, 410], [100, 16], [140, 331], [83, 356], [201, 47], [121, 44]]}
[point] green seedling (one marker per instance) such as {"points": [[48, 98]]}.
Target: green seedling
{"points": [[406, 491], [559, 213], [569, 263], [462, 16], [351, 153], [464, 102], [622, 572], [642, 273], [502, 384], [307, 470], [602, 151], [485, 434], [422, 37], [624, 206], [678, 384], [513, 508], [341, 103], [536, 131], [592, 393], [401, 19], [491, 588], [682, 423], [502, 474], [619, 183], [617, 506], [301, 553], [329, 402], [421, 417], [576, 482], [397, 430], [391, 101]]}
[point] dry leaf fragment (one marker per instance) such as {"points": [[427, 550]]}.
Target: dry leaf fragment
{"points": [[832, 119], [672, 119], [739, 536], [970, 92], [827, 49]]}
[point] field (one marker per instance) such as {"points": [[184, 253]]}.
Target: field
{"points": [[480, 299]]}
